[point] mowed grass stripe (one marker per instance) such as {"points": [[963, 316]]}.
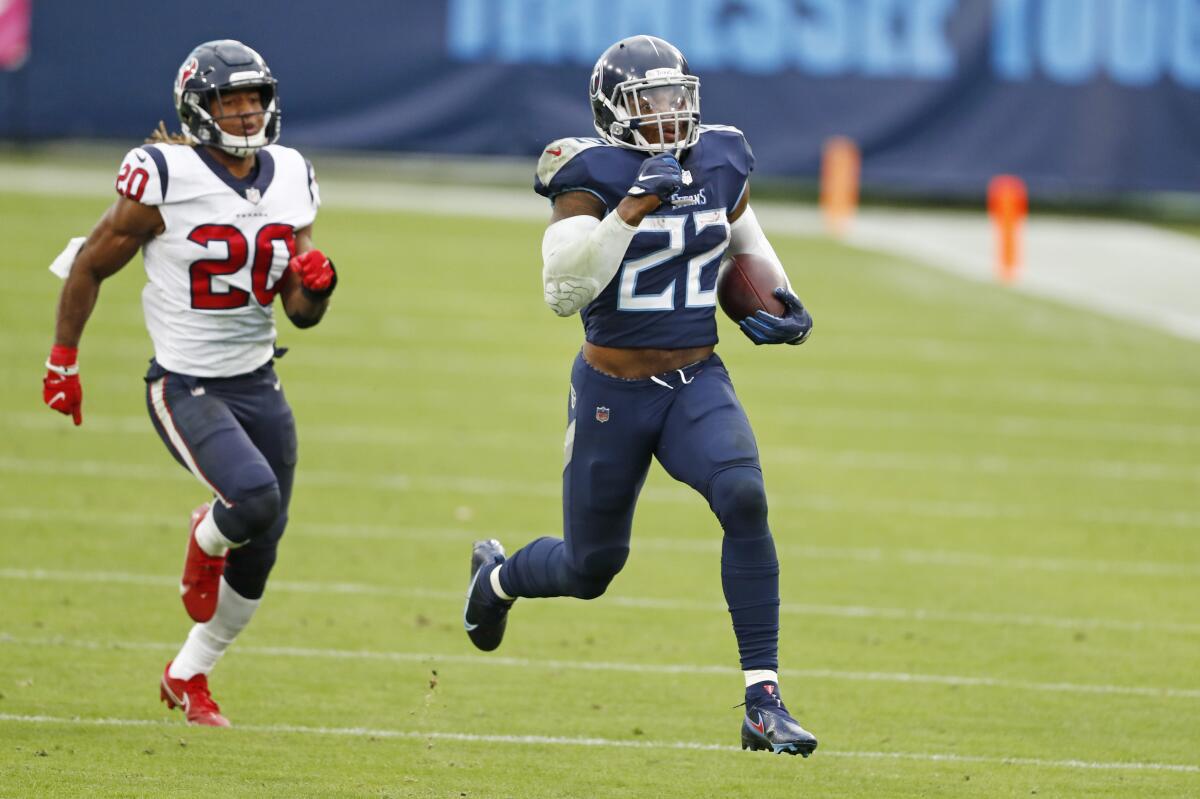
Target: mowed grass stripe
{"points": [[546, 740], [414, 357], [374, 479], [643, 603], [955, 559], [518, 406], [552, 664], [345, 435]]}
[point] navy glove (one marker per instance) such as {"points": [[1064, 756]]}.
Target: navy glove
{"points": [[791, 328], [661, 175]]}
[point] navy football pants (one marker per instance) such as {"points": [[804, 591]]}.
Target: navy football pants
{"points": [[692, 422], [237, 435]]}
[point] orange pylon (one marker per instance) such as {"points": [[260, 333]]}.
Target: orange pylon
{"points": [[1008, 205], [840, 163]]}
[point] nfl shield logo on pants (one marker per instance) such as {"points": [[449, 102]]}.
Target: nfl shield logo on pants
{"points": [[601, 414]]}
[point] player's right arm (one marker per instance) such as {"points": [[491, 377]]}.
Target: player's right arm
{"points": [[582, 248], [121, 231]]}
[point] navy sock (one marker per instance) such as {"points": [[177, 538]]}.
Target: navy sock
{"points": [[749, 566], [750, 579]]}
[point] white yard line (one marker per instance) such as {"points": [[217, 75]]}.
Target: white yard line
{"points": [[643, 603], [1182, 518], [956, 559], [489, 661], [546, 740]]}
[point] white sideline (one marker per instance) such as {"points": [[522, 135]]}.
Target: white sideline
{"points": [[546, 740], [642, 603], [488, 486], [1124, 270], [957, 681], [401, 532]]}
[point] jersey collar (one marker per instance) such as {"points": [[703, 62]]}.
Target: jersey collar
{"points": [[258, 180]]}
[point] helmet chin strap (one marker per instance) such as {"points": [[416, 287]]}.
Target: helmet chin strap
{"points": [[242, 146], [676, 147], [235, 145]]}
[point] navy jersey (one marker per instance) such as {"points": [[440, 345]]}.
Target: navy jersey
{"points": [[664, 294]]}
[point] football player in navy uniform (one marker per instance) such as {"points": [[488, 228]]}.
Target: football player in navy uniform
{"points": [[642, 218], [224, 219]]}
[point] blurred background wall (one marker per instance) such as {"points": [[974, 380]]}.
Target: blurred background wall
{"points": [[1078, 97]]}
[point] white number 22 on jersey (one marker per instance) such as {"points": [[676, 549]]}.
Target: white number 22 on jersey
{"points": [[627, 297]]}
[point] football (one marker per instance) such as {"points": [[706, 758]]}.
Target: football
{"points": [[746, 283]]}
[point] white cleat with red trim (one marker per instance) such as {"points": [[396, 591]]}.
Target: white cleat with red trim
{"points": [[193, 698], [202, 572]]}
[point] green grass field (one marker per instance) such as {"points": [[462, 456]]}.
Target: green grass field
{"points": [[986, 510]]}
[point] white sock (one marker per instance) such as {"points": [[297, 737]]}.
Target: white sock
{"points": [[756, 676], [209, 536], [495, 577], [207, 642]]}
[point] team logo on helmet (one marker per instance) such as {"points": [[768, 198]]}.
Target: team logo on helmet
{"points": [[187, 71]]}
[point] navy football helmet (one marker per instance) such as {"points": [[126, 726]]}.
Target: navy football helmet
{"points": [[220, 66], [644, 98]]}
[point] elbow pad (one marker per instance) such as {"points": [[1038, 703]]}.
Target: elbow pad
{"points": [[580, 255], [746, 237]]}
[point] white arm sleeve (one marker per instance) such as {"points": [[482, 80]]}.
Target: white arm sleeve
{"points": [[746, 237], [580, 255]]}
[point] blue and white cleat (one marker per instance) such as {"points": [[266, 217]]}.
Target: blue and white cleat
{"points": [[769, 726], [485, 615]]}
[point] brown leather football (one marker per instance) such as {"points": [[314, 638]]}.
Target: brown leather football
{"points": [[747, 284]]}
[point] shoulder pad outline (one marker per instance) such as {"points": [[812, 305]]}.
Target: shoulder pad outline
{"points": [[559, 153]]}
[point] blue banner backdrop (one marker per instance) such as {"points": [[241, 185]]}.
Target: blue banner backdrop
{"points": [[1082, 96]]}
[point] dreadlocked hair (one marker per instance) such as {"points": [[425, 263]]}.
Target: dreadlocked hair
{"points": [[163, 136]]}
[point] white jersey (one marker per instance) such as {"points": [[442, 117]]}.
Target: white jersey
{"points": [[212, 271]]}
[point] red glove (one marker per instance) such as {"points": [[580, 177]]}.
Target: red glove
{"points": [[60, 388], [315, 271]]}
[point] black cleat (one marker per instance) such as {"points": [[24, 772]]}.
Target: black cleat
{"points": [[485, 616], [769, 726]]}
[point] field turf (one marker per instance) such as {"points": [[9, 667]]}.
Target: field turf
{"points": [[985, 505]]}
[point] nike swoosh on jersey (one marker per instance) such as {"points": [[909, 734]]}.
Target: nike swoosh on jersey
{"points": [[140, 157]]}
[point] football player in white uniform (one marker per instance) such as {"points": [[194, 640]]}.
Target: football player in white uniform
{"points": [[223, 216]]}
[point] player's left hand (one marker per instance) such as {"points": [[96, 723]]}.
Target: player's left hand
{"points": [[315, 271], [61, 389], [660, 175], [791, 328]]}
